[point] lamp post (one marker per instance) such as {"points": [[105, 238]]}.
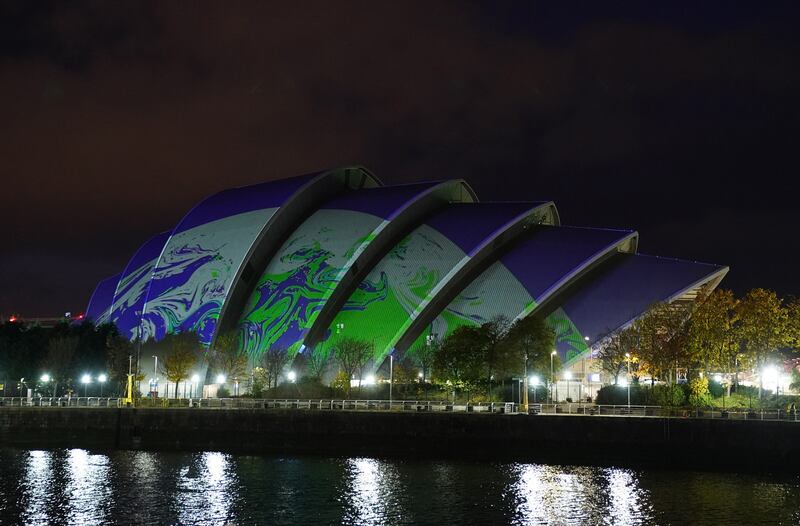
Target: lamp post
{"points": [[535, 382], [568, 377], [552, 377], [102, 379], [195, 379], [86, 380], [583, 367], [628, 357], [155, 376], [525, 383], [46, 380], [391, 375]]}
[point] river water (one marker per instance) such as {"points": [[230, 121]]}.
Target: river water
{"points": [[76, 486]]}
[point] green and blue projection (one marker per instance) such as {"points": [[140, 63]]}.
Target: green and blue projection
{"points": [[432, 266]]}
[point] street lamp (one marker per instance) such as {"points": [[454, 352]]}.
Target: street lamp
{"points": [[220, 378], [195, 379], [568, 377], [292, 376], [628, 380], [534, 381], [102, 379], [86, 380], [552, 375], [155, 375], [718, 378], [391, 375], [46, 380], [769, 375]]}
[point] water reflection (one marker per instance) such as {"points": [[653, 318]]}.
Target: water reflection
{"points": [[82, 487], [88, 488], [206, 490], [371, 494], [578, 495], [37, 487]]}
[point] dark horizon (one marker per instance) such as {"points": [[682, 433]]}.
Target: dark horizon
{"points": [[674, 121]]}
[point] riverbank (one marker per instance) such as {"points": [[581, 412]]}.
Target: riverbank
{"points": [[670, 442]]}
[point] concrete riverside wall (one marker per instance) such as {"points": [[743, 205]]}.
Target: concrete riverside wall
{"points": [[725, 444]]}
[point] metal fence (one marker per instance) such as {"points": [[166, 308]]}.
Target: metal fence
{"points": [[566, 409]]}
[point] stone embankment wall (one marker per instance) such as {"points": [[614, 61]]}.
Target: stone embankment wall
{"points": [[734, 444]]}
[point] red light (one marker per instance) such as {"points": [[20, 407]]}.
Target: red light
{"points": [[12, 319]]}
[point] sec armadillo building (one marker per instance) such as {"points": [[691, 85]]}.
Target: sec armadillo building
{"points": [[293, 261]]}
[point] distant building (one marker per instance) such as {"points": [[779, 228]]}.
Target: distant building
{"points": [[294, 261]]}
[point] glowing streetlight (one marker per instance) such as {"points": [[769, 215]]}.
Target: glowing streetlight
{"points": [[86, 380], [220, 378], [369, 380], [292, 376], [769, 376], [534, 381], [45, 378]]}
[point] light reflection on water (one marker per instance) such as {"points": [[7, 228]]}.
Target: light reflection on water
{"points": [[80, 487]]}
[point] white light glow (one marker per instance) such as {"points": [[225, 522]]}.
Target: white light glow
{"points": [[85, 379], [292, 376], [718, 378], [369, 380], [534, 380], [568, 375], [622, 382], [45, 378], [195, 378], [102, 378], [594, 377], [221, 379]]}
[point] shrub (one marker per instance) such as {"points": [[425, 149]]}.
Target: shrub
{"points": [[698, 392]]}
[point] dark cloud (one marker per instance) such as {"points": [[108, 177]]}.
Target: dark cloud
{"points": [[119, 117]]}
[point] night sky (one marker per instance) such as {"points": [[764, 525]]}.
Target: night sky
{"points": [[118, 117]]}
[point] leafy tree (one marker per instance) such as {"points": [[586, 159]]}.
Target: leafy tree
{"points": [[713, 333], [793, 324], [529, 342], [273, 361], [180, 360], [661, 335], [352, 356], [458, 360], [612, 349], [490, 346], [228, 357], [763, 329], [60, 358]]}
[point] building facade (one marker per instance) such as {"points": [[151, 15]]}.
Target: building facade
{"points": [[294, 262]]}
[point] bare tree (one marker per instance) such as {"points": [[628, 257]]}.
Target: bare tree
{"points": [[273, 361], [317, 364], [228, 356], [352, 355]]}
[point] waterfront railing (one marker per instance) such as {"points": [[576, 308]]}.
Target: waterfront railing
{"points": [[442, 406]]}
